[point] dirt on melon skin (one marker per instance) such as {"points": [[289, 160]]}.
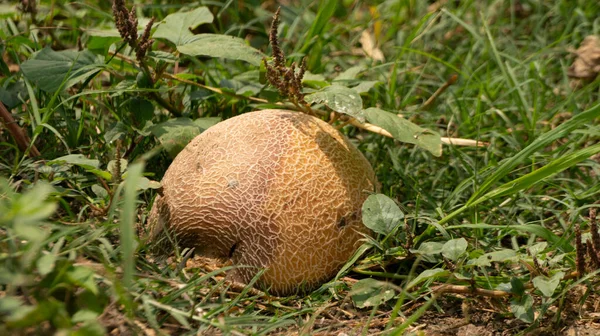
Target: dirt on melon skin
{"points": [[271, 189]]}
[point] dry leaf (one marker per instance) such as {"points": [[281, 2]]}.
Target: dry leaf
{"points": [[369, 47], [587, 64]]}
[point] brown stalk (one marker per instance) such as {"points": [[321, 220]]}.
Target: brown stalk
{"points": [[365, 126], [429, 103], [21, 138], [581, 251], [458, 289]]}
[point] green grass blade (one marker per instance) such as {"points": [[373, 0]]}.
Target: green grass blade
{"points": [[326, 10], [128, 215], [538, 175], [542, 141], [532, 178]]}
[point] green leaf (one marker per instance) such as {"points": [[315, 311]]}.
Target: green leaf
{"points": [[9, 304], [13, 93], [90, 328], [548, 285], [370, 292], [175, 134], [83, 277], [454, 248], [427, 274], [84, 315], [221, 46], [350, 73], [207, 122], [45, 264], [496, 256], [101, 40], [78, 160], [48, 68], [27, 316], [537, 248], [365, 86], [30, 210], [111, 166], [381, 214], [522, 308], [340, 99], [516, 286], [177, 27], [90, 165], [429, 248], [118, 131], [404, 130], [145, 183]]}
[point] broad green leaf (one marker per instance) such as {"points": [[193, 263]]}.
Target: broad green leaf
{"points": [[517, 286], [101, 40], [427, 274], [522, 308], [429, 248], [365, 86], [548, 285], [146, 183], [90, 328], [370, 292], [100, 191], [118, 131], [207, 122], [112, 166], [30, 231], [404, 130], [162, 56], [77, 160], [30, 210], [84, 315], [496, 256], [315, 81], [221, 46], [13, 94], [454, 248], [90, 165], [537, 248], [340, 99], [175, 134], [49, 68], [350, 73], [381, 214], [141, 111], [177, 27], [30, 316], [45, 264], [9, 304], [83, 277]]}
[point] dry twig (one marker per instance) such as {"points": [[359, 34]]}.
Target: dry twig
{"points": [[21, 138]]}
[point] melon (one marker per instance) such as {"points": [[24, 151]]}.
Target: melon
{"points": [[274, 191]]}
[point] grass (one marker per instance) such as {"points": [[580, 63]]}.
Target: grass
{"points": [[488, 233]]}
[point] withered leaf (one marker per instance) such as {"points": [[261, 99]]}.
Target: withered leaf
{"points": [[587, 63]]}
